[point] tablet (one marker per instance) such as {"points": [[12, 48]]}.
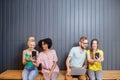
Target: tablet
{"points": [[78, 71]]}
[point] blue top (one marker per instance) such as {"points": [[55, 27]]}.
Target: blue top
{"points": [[77, 58]]}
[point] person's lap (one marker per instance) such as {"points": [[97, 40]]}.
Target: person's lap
{"points": [[80, 77], [53, 77]]}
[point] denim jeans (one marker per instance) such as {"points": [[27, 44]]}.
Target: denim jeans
{"points": [[95, 75], [29, 72]]}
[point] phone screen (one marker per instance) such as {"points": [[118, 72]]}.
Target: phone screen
{"points": [[33, 53], [96, 55]]}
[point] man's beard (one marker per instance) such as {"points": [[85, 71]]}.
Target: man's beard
{"points": [[82, 47]]}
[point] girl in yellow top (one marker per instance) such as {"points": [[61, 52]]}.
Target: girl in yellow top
{"points": [[95, 57]]}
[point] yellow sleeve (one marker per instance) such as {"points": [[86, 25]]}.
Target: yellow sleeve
{"points": [[88, 52], [101, 52]]}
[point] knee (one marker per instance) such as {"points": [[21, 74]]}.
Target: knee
{"points": [[82, 77], [68, 77], [87, 78], [98, 78], [31, 78], [24, 77], [92, 78]]}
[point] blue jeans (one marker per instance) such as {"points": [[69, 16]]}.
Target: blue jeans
{"points": [[29, 73], [95, 75]]}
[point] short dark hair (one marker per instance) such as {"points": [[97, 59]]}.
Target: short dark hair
{"points": [[83, 38], [47, 41]]}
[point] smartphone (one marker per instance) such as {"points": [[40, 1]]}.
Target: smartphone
{"points": [[33, 53], [96, 55]]}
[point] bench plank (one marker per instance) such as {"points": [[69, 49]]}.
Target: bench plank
{"points": [[111, 74], [11, 74], [17, 74]]}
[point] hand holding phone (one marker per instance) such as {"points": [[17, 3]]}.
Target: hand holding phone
{"points": [[33, 53], [96, 55]]}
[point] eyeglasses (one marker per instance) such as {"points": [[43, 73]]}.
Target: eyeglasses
{"points": [[85, 43]]}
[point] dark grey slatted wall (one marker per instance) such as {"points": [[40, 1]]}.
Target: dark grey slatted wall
{"points": [[1, 62], [62, 20]]}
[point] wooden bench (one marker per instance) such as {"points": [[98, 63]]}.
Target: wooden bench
{"points": [[17, 75]]}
